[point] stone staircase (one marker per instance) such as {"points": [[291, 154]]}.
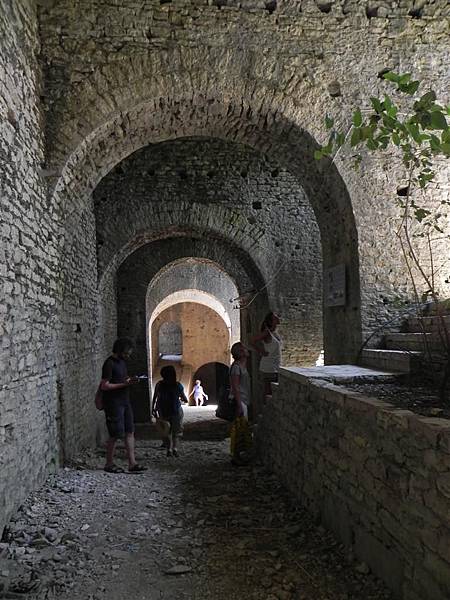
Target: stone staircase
{"points": [[404, 352]]}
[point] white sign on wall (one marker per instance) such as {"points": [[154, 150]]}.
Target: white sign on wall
{"points": [[334, 286]]}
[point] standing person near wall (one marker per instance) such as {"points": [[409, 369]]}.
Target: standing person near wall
{"points": [[240, 391], [166, 405], [116, 402], [268, 344]]}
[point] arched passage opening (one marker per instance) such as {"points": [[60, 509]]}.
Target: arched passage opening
{"points": [[205, 335], [220, 194], [214, 377], [151, 292]]}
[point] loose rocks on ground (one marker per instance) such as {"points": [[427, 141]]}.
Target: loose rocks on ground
{"points": [[192, 527]]}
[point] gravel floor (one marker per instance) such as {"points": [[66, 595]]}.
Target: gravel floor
{"points": [[189, 527]]}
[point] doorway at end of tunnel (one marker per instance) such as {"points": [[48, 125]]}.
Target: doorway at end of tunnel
{"points": [[214, 376]]}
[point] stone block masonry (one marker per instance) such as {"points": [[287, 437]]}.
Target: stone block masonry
{"points": [[377, 476], [29, 417]]}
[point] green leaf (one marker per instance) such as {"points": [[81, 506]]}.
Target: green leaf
{"points": [[389, 122], [371, 144], [420, 214], [445, 147], [438, 120], [387, 102], [425, 119], [404, 78], [328, 149], [390, 76], [318, 154], [357, 118], [383, 141], [340, 139], [392, 112], [435, 143], [329, 122], [412, 87], [428, 98], [356, 137], [413, 130], [378, 105], [396, 138]]}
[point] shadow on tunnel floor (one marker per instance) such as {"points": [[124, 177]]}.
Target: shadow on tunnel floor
{"points": [[213, 429]]}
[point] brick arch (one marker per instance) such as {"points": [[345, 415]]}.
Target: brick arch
{"points": [[149, 262], [173, 284], [190, 295], [193, 221], [111, 89], [276, 132], [192, 279]]}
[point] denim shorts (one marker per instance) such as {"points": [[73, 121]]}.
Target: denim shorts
{"points": [[176, 423], [119, 417]]}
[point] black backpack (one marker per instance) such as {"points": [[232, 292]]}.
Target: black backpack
{"points": [[226, 405]]}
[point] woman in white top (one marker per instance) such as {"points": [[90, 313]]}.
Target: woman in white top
{"points": [[268, 344]]}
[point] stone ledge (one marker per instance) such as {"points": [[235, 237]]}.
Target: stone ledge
{"points": [[336, 373], [434, 429]]}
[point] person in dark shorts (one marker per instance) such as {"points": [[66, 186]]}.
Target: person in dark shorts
{"points": [[167, 398], [118, 411]]}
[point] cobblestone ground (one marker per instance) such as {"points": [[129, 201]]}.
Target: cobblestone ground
{"points": [[189, 527]]}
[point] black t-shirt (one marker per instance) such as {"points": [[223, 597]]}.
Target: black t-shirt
{"points": [[168, 396], [115, 371]]}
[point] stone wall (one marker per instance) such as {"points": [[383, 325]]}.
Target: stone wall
{"points": [[29, 411], [379, 477]]}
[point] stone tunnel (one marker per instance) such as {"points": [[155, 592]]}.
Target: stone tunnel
{"points": [[159, 183]]}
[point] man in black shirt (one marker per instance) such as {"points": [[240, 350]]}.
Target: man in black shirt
{"points": [[116, 401]]}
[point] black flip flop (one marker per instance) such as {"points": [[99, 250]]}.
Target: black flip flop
{"points": [[137, 469], [113, 469]]}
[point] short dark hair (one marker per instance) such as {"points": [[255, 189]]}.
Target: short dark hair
{"points": [[169, 374], [236, 350], [121, 345]]}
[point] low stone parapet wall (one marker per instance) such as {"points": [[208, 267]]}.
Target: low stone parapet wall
{"points": [[376, 475]]}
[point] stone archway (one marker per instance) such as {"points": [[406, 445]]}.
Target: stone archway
{"points": [[292, 147], [206, 338], [279, 135], [150, 282]]}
